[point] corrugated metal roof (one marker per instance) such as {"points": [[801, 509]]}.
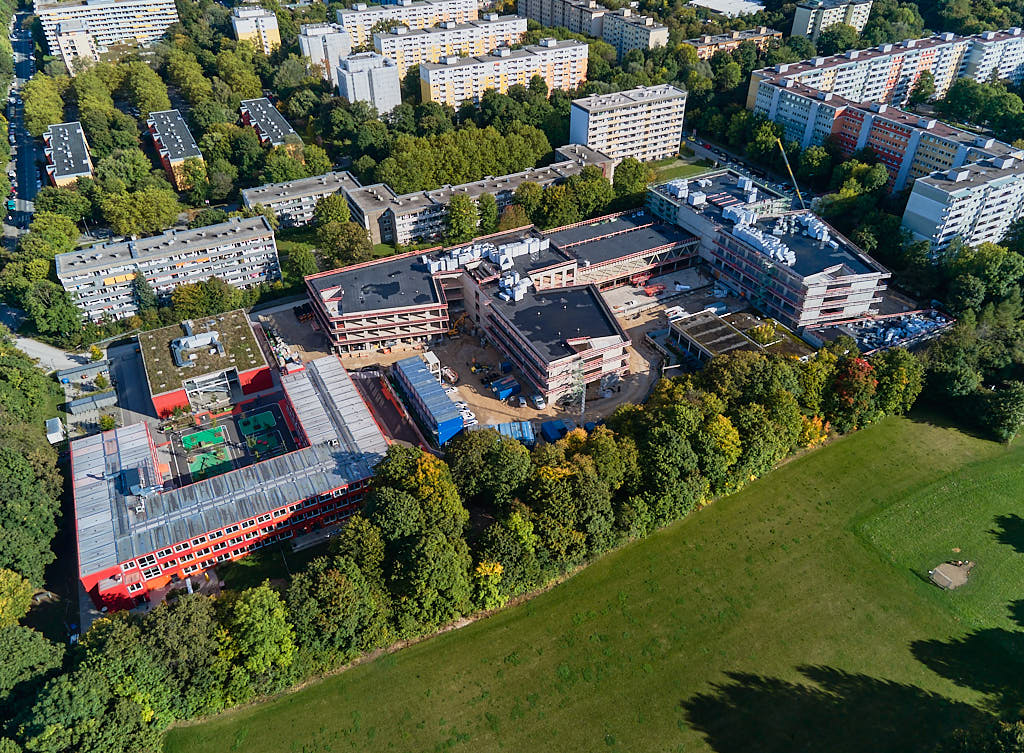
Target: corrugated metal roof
{"points": [[345, 446], [434, 397]]}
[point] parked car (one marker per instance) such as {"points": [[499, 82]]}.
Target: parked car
{"points": [[538, 402]]}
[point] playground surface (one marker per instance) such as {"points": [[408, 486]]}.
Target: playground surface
{"points": [[256, 423], [209, 463], [204, 438]]}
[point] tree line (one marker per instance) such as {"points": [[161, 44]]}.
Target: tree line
{"points": [[411, 562]]}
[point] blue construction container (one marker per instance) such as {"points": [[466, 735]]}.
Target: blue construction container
{"points": [[497, 383], [519, 430], [427, 399], [506, 367], [507, 390], [553, 430]]}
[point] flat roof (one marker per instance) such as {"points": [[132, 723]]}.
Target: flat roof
{"points": [[480, 23], [606, 239], [732, 36], [102, 255], [973, 175], [241, 351], [170, 130], [830, 3], [548, 318], [731, 8], [110, 531], [615, 100], [67, 151], [271, 193], [268, 119], [521, 52], [815, 257], [713, 333], [397, 282], [438, 404]]}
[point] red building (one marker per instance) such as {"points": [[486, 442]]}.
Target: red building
{"points": [[140, 529], [203, 365]]}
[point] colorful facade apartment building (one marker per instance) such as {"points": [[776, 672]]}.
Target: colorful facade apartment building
{"points": [[174, 143], [645, 123], [252, 23], [141, 530], [359, 20], [790, 265], [535, 295], [67, 153], [108, 22], [409, 47], [451, 81]]}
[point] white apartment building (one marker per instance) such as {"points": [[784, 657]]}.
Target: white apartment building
{"points": [[324, 45], [257, 25], [359, 20], [625, 31], [109, 22], [369, 77], [452, 81], [645, 123], [814, 16], [294, 201], [241, 251], [998, 53], [976, 203], [76, 45], [67, 153], [409, 47], [578, 16]]}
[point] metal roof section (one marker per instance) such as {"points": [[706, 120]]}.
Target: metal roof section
{"points": [[67, 153], [267, 120], [436, 401], [172, 136], [122, 509]]}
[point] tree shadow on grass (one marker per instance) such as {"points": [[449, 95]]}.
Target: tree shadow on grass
{"points": [[1010, 531], [840, 713], [989, 661]]}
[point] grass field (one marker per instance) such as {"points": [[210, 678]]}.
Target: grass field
{"points": [[788, 617]]}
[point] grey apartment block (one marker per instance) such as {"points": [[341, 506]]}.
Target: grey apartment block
{"points": [[241, 251], [67, 153], [369, 77], [293, 202]]}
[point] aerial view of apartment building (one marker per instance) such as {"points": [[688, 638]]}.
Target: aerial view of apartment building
{"points": [[109, 22], [359, 20], [369, 77], [67, 153], [257, 25], [174, 143], [645, 123], [268, 122], [324, 45], [707, 45], [791, 265], [75, 45], [241, 251], [293, 202], [409, 47], [625, 30], [451, 81], [814, 16]]}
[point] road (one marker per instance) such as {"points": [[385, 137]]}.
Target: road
{"points": [[129, 375], [27, 155]]}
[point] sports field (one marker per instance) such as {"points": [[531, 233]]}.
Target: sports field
{"points": [[788, 617], [204, 438]]}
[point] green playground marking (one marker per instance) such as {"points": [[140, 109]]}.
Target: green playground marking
{"points": [[254, 424], [204, 438], [209, 463]]}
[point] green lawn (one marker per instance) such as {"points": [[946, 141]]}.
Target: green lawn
{"points": [[270, 563], [678, 169], [764, 623]]}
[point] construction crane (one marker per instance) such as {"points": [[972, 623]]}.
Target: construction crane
{"points": [[790, 171]]}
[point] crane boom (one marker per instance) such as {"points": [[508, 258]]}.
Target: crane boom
{"points": [[790, 171]]}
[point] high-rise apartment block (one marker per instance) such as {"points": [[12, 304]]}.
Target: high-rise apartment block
{"points": [[707, 45], [360, 19], [452, 81], [408, 47], [174, 143], [645, 123], [624, 30], [324, 45], [369, 77], [75, 44], [257, 25], [108, 22], [241, 251], [814, 16], [976, 203], [951, 172], [67, 153]]}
